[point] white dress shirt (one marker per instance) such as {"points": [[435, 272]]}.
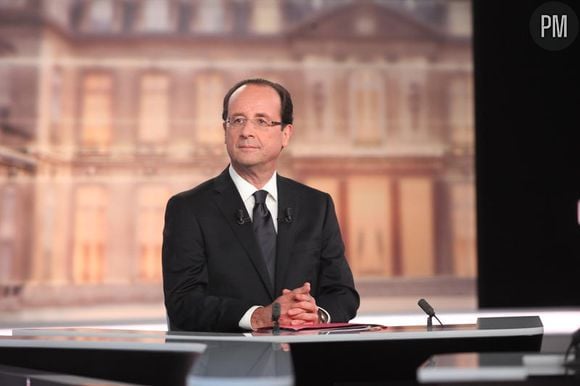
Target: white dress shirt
{"points": [[247, 191]]}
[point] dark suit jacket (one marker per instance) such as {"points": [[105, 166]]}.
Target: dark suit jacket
{"points": [[213, 271]]}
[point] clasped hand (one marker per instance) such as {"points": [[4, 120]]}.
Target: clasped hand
{"points": [[297, 307]]}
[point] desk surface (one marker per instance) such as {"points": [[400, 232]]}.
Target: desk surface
{"points": [[485, 327], [262, 358], [500, 367], [16, 376]]}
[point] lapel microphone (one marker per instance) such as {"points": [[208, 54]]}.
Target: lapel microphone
{"points": [[241, 218], [287, 216]]}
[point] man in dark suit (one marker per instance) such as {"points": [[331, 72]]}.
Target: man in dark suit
{"points": [[248, 238]]}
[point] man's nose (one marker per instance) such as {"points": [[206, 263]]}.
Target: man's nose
{"points": [[247, 130]]}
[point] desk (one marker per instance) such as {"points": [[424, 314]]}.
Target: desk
{"points": [[497, 367], [15, 376], [196, 358]]}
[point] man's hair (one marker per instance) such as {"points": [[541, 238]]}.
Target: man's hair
{"points": [[287, 109]]}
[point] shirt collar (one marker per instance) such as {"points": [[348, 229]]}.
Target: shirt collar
{"points": [[246, 189]]}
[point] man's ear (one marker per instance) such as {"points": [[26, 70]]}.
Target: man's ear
{"points": [[286, 134]]}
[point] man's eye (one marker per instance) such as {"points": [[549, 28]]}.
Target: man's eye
{"points": [[262, 122], [238, 121]]}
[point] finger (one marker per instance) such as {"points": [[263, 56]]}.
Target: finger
{"points": [[306, 317], [286, 298], [295, 311], [301, 308], [299, 322], [306, 305], [286, 320], [304, 289], [304, 298]]}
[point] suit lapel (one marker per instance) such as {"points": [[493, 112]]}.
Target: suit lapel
{"points": [[229, 202], [285, 241]]}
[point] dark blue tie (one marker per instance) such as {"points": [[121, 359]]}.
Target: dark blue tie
{"points": [[265, 233]]}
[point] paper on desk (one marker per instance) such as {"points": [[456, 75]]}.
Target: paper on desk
{"points": [[333, 326]]}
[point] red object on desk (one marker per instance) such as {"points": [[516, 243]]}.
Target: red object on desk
{"points": [[331, 326]]}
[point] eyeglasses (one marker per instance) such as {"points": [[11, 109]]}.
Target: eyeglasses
{"points": [[239, 122]]}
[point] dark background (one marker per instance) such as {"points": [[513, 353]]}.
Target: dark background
{"points": [[527, 160]]}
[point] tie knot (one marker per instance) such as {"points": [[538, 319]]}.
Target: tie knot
{"points": [[260, 196]]}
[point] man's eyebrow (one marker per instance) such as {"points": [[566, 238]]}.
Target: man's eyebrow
{"points": [[258, 115], [262, 115]]}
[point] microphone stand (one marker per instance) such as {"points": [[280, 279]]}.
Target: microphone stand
{"points": [[430, 321]]}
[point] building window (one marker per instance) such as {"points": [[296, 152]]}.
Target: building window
{"points": [[14, 4], [96, 117], [414, 101], [5, 98], [416, 226], [412, 123], [56, 112], [266, 18], [461, 111], [463, 228], [8, 220], [156, 16], [367, 107], [322, 115], [150, 211], [90, 235], [319, 108], [370, 233], [100, 16], [5, 86], [210, 16], [209, 96], [154, 108]]}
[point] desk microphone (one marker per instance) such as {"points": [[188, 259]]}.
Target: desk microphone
{"points": [[576, 338], [241, 218], [426, 307], [569, 361], [276, 317], [287, 216]]}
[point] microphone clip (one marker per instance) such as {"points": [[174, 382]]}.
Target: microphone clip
{"points": [[241, 217], [287, 216]]}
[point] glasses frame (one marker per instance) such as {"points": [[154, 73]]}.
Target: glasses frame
{"points": [[254, 121]]}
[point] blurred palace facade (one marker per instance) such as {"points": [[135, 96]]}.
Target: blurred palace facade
{"points": [[109, 107]]}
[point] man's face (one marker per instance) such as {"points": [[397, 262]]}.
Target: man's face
{"points": [[252, 146]]}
